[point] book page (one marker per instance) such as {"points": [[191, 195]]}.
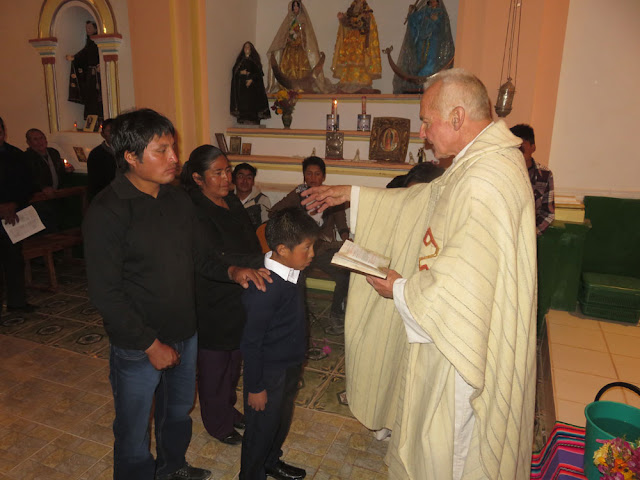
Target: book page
{"points": [[29, 224], [361, 260]]}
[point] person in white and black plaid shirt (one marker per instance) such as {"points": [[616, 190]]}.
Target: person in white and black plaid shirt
{"points": [[540, 176]]}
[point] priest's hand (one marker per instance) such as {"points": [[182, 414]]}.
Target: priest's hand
{"points": [[320, 198], [384, 286], [243, 276]]}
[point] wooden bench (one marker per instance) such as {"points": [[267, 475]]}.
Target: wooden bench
{"points": [[46, 245]]}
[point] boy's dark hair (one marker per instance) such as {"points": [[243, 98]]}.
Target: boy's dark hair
{"points": [[290, 227], [133, 131], [525, 132], [314, 161], [243, 166], [106, 122]]}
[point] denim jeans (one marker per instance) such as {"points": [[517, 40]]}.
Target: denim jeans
{"points": [[135, 383]]}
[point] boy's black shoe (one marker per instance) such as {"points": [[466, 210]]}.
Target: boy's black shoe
{"points": [[284, 471], [187, 473], [233, 438], [240, 425]]}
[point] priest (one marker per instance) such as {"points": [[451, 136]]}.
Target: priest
{"points": [[442, 351]]}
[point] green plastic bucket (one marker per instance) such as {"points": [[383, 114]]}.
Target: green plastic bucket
{"points": [[608, 420]]}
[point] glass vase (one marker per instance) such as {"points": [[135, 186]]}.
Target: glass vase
{"points": [[287, 118]]}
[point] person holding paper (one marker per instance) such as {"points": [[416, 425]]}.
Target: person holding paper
{"points": [[451, 332], [15, 191]]}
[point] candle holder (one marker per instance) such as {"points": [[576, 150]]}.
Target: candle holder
{"points": [[364, 122], [333, 122]]}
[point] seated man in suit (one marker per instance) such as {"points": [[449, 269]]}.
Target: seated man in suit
{"points": [[48, 172]]}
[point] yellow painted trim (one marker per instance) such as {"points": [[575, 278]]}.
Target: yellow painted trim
{"points": [[200, 92], [177, 83], [100, 8], [52, 106]]}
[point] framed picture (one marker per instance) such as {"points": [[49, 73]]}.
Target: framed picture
{"points": [[334, 144], [389, 139], [234, 143], [90, 123], [82, 157], [246, 149], [222, 143]]}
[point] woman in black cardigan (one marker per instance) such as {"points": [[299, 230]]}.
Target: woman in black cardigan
{"points": [[221, 316]]}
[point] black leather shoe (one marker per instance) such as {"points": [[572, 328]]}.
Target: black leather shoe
{"points": [[233, 438], [284, 471], [240, 425], [187, 473]]}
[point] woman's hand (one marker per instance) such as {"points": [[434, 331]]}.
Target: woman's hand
{"points": [[243, 276]]}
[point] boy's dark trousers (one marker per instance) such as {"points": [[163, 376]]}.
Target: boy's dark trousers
{"points": [[267, 430]]}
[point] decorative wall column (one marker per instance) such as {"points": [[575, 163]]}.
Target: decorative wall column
{"points": [[46, 47], [108, 45]]}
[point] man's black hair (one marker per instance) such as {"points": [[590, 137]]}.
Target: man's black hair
{"points": [[290, 227], [243, 166], [314, 161], [525, 132], [133, 131]]}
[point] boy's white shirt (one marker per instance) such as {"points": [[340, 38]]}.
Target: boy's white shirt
{"points": [[288, 274]]}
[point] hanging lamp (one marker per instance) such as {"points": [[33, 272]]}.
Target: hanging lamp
{"points": [[507, 90]]}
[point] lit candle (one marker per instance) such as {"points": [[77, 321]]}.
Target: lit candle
{"points": [[75, 125], [364, 105], [65, 162], [334, 107]]}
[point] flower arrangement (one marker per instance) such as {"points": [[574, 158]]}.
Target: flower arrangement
{"points": [[618, 459], [285, 102]]}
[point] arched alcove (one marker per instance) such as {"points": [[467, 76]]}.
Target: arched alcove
{"points": [[60, 34]]}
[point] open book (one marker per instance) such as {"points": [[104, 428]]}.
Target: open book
{"points": [[361, 260]]}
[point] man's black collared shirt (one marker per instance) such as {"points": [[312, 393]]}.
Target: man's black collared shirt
{"points": [[141, 254]]}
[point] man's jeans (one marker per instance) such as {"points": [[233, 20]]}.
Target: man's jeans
{"points": [[135, 382]]}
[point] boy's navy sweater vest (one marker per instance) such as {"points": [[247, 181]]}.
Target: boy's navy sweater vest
{"points": [[275, 335]]}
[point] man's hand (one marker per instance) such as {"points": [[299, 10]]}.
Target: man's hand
{"points": [[8, 213], [162, 356], [243, 276], [257, 401], [384, 286], [322, 197]]}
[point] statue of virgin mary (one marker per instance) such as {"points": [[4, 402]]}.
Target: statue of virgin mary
{"points": [[295, 49]]}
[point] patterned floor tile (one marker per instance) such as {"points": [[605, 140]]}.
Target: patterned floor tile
{"points": [[328, 400], [84, 312], [311, 383], [14, 322], [60, 303], [49, 330], [88, 340]]}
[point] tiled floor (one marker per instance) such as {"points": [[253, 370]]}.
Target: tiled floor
{"points": [[586, 354], [56, 408]]}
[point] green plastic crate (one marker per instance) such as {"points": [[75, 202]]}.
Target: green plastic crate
{"points": [[606, 290], [610, 312]]}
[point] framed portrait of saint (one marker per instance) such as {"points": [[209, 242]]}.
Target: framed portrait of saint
{"points": [[234, 145], [222, 143], [90, 123], [389, 139], [82, 157], [246, 149]]}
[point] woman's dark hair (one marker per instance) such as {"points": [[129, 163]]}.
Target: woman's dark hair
{"points": [[243, 166], [294, 3], [254, 56], [133, 131], [314, 161], [199, 162], [290, 227]]}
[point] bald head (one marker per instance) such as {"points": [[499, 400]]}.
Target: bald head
{"points": [[459, 88], [454, 109]]}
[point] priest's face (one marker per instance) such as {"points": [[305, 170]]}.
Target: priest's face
{"points": [[437, 131]]}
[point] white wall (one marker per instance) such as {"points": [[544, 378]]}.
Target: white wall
{"points": [[594, 148], [389, 14]]}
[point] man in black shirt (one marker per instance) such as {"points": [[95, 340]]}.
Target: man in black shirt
{"points": [[142, 249], [15, 191], [101, 164]]}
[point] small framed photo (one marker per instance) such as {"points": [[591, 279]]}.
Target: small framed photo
{"points": [[246, 149], [90, 123], [234, 144], [389, 139], [82, 157], [222, 143]]}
